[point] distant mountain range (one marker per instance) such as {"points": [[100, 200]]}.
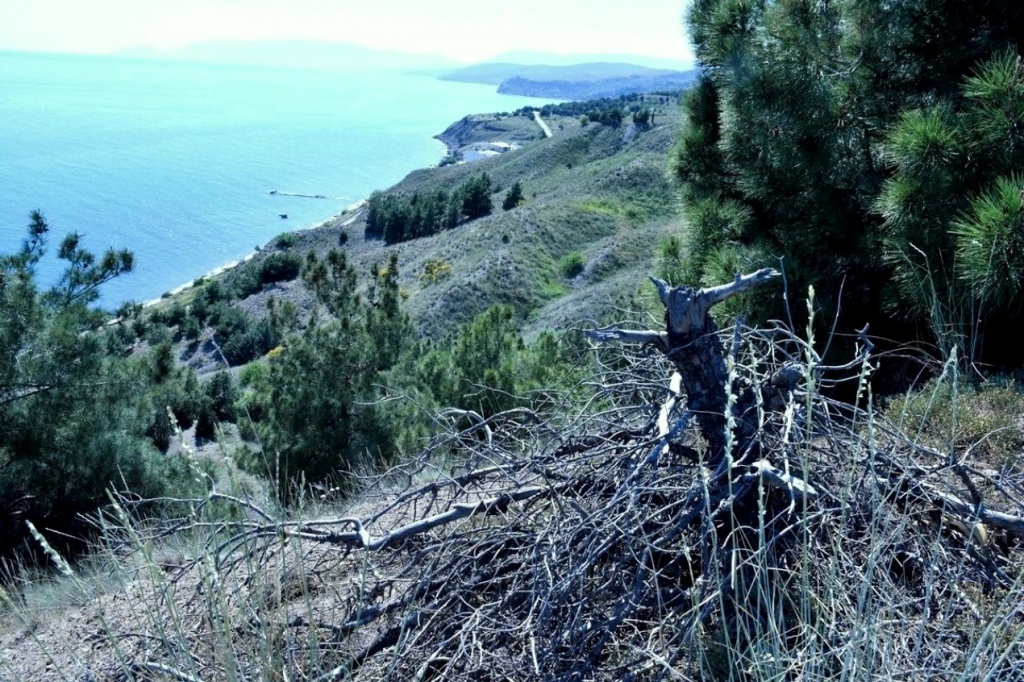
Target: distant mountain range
{"points": [[496, 73], [348, 56], [534, 74], [573, 82], [297, 54], [528, 57]]}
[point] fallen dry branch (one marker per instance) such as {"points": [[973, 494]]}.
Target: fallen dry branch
{"points": [[617, 543]]}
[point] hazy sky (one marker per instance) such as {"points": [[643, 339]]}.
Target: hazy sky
{"points": [[465, 30]]}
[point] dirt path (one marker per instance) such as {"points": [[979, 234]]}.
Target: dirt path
{"points": [[542, 124], [355, 217]]}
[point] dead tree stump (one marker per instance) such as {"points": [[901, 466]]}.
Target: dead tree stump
{"points": [[691, 342]]}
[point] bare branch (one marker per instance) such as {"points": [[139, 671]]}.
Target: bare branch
{"points": [[166, 670], [663, 290], [612, 335], [742, 284], [459, 512], [779, 479]]}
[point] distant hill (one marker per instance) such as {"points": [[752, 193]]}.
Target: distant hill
{"points": [[496, 73], [554, 59], [606, 87], [576, 81]]}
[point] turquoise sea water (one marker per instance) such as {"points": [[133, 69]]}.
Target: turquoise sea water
{"points": [[175, 161]]}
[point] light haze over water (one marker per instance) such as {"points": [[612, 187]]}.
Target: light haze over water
{"points": [[175, 161]]}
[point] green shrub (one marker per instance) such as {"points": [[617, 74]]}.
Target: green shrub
{"points": [[253, 276], [176, 314], [223, 392], [215, 292], [253, 398], [990, 245], [191, 328], [279, 267], [434, 270], [514, 197], [669, 264], [199, 309], [488, 367], [246, 345], [240, 338], [244, 281], [572, 264]]}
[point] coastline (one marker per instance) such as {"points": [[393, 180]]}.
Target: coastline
{"points": [[455, 142], [351, 212]]}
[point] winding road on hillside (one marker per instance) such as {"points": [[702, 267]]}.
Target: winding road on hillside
{"points": [[541, 123]]}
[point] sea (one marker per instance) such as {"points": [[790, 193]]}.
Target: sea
{"points": [[177, 161]]}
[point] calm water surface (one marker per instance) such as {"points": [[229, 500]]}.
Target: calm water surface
{"points": [[175, 161]]}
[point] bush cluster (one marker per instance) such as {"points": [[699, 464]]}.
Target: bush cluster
{"points": [[256, 275], [396, 218], [240, 337], [610, 111]]}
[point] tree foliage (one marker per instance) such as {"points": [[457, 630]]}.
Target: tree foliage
{"points": [[830, 134], [513, 197], [76, 418], [487, 367], [315, 407], [395, 218]]}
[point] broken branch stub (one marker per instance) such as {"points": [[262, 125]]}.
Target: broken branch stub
{"points": [[691, 343]]}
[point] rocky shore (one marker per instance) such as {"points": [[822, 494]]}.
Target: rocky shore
{"points": [[481, 135]]}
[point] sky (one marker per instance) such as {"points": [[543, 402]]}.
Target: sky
{"points": [[461, 30]]}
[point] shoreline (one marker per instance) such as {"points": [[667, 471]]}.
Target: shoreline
{"points": [[454, 146], [221, 269], [449, 139]]}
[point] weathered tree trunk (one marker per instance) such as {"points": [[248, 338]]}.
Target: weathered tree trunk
{"points": [[692, 343]]}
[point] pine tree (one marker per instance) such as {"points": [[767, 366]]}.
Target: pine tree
{"points": [[514, 197], [76, 420], [807, 114]]}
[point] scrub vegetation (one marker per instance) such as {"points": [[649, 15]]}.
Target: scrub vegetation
{"points": [[434, 439]]}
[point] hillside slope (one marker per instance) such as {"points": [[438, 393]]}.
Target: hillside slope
{"points": [[597, 191], [588, 191]]}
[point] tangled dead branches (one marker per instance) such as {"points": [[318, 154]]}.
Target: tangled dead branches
{"points": [[808, 539]]}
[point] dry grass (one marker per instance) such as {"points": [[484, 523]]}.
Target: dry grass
{"points": [[586, 546]]}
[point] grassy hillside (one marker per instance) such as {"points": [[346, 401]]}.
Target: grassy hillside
{"points": [[601, 192]]}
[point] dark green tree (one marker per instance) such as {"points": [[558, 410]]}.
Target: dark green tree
{"points": [[514, 197], [388, 327], [75, 419], [321, 418], [794, 132], [952, 209], [476, 200]]}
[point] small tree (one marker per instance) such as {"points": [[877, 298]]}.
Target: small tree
{"points": [[514, 197], [476, 202], [321, 415], [73, 416]]}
